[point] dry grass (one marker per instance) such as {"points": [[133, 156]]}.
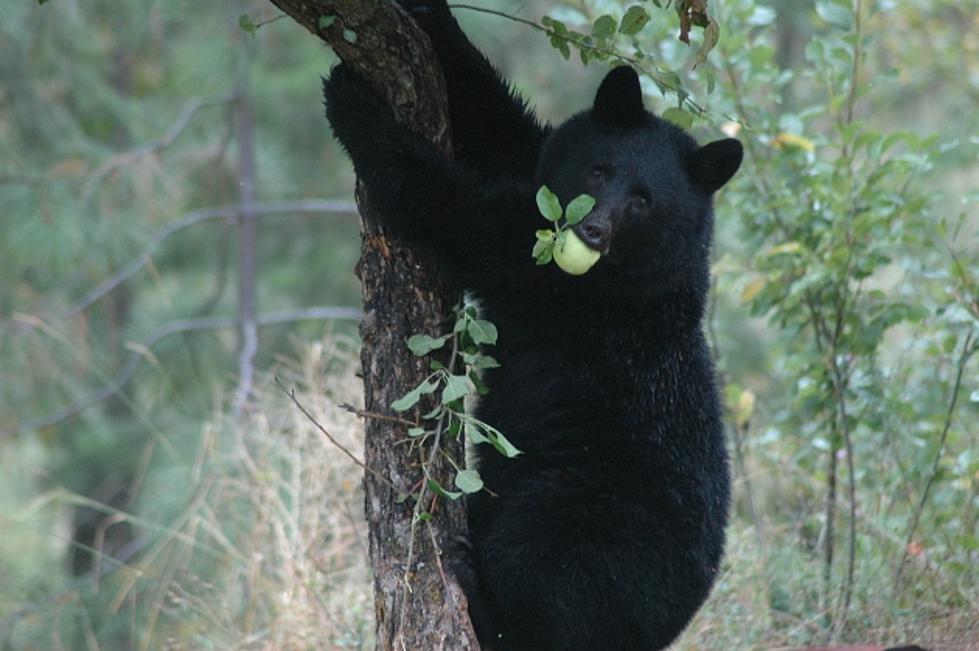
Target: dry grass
{"points": [[764, 600], [268, 552], [286, 508]]}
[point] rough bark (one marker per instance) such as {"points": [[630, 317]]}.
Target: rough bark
{"points": [[417, 604]]}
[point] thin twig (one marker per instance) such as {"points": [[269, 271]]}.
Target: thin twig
{"points": [[615, 54], [196, 217], [135, 265], [268, 21], [437, 553], [292, 396], [841, 380], [839, 384], [126, 158], [969, 348], [375, 416], [220, 279]]}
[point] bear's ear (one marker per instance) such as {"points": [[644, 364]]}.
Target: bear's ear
{"points": [[715, 163], [618, 101]]}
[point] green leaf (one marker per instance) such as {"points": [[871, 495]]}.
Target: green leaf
{"points": [[678, 117], [456, 386], [326, 21], [475, 435], [416, 431], [634, 20], [484, 361], [481, 388], [350, 36], [454, 426], [479, 432], [559, 27], [503, 445], [469, 481], [604, 26], [245, 22], [411, 398], [543, 251], [436, 488], [560, 43], [579, 208], [422, 345], [482, 331], [835, 13], [548, 204]]}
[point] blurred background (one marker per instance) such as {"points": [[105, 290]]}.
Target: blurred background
{"points": [[166, 173]]}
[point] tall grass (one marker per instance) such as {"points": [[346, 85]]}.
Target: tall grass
{"points": [[286, 507], [267, 550]]}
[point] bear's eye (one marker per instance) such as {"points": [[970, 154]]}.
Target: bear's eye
{"points": [[642, 201], [597, 172]]}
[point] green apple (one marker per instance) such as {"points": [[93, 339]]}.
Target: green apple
{"points": [[573, 255]]}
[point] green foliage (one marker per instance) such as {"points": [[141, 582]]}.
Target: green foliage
{"points": [[847, 356], [449, 416], [599, 37], [550, 208], [247, 24], [843, 248]]}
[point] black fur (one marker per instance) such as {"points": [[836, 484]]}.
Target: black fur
{"points": [[607, 532]]}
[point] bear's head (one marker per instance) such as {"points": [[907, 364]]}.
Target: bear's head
{"points": [[652, 183]]}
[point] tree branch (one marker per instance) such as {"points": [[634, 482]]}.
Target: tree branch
{"points": [[193, 218], [174, 327], [247, 235], [387, 50], [969, 348], [125, 158]]}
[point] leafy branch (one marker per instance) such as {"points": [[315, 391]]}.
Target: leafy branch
{"points": [[600, 45]]}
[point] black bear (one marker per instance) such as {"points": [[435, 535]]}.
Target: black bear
{"points": [[607, 532]]}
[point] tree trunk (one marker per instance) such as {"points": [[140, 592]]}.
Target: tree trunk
{"points": [[417, 604]]}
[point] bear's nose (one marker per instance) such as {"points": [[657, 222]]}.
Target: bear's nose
{"points": [[595, 233]]}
